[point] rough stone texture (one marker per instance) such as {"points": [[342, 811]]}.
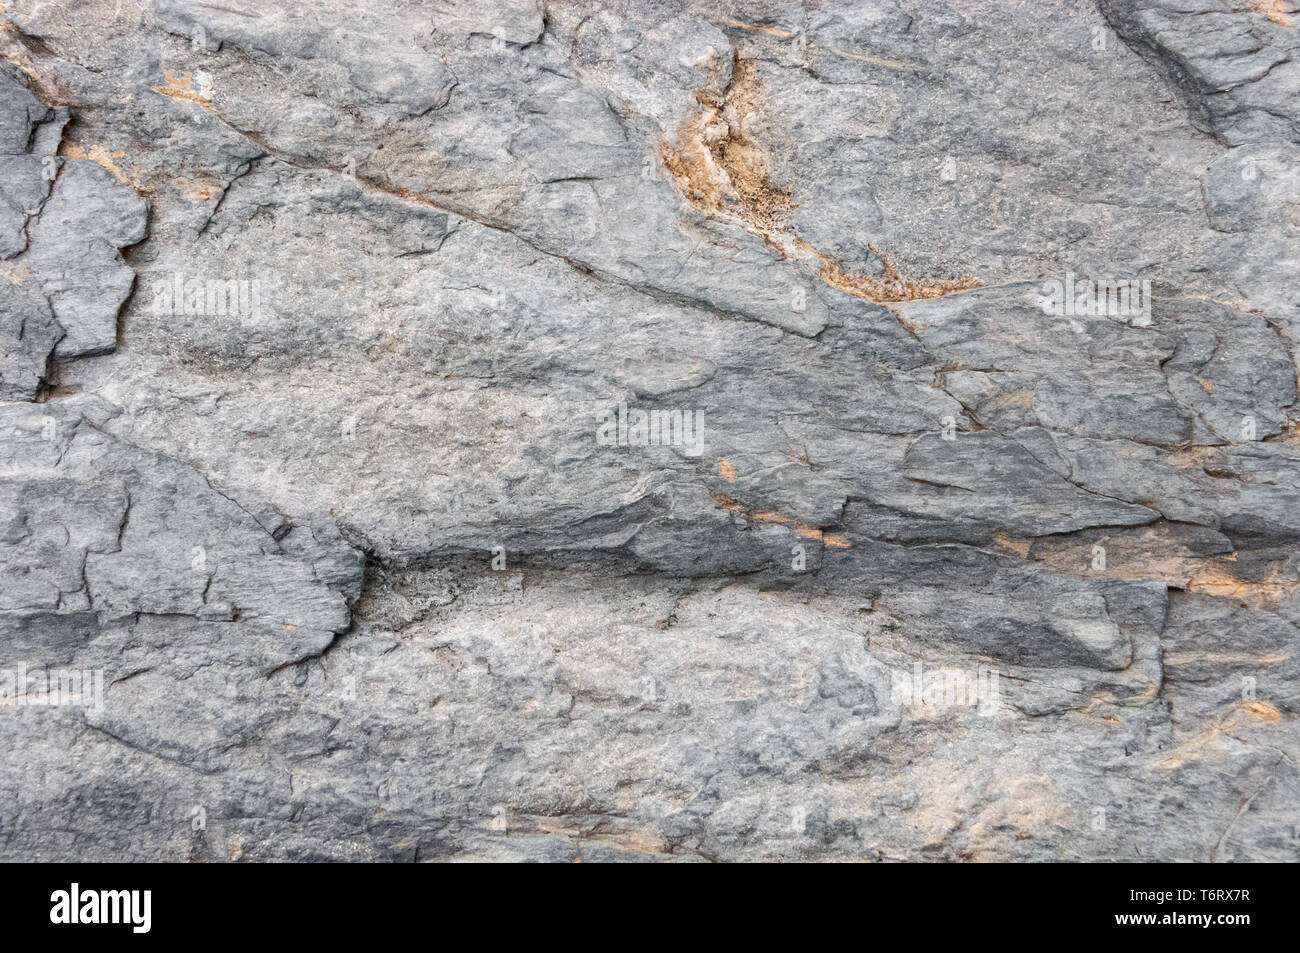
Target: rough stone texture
{"points": [[312, 316]]}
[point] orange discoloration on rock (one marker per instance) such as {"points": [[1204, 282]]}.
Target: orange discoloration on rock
{"points": [[619, 835], [100, 155], [184, 94], [197, 190], [1290, 431], [721, 167], [727, 470], [718, 164], [1018, 546], [1141, 555], [13, 49], [727, 503], [1273, 11], [891, 285], [1258, 710], [178, 84], [802, 527], [1214, 581], [760, 28], [1244, 714]]}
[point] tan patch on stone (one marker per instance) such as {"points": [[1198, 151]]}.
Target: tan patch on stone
{"points": [[1208, 745], [1143, 553], [758, 27], [15, 51], [1273, 10], [178, 84], [1215, 581], [16, 271], [100, 155], [618, 833], [892, 285], [1027, 805], [802, 527], [721, 166], [198, 190], [1017, 546]]}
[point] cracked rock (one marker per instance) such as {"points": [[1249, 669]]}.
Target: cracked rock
{"points": [[619, 431]]}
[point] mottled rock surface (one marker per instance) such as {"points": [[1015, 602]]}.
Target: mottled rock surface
{"points": [[330, 333]]}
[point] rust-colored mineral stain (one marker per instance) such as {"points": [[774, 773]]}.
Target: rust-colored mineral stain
{"points": [[1018, 546], [721, 167], [1245, 713], [802, 527], [1273, 10], [761, 28], [891, 286], [98, 154], [178, 84], [727, 503]]}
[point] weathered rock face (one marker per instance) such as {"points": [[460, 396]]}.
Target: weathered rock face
{"points": [[336, 518]]}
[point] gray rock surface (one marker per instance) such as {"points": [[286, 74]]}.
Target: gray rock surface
{"points": [[331, 335]]}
